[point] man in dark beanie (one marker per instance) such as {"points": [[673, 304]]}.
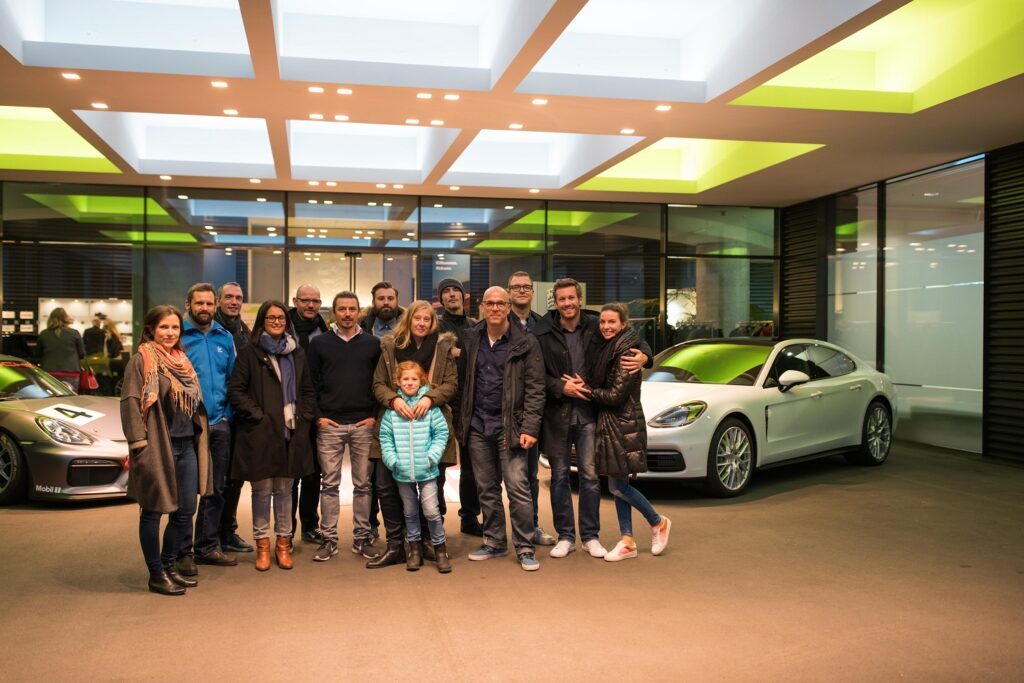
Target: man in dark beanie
{"points": [[453, 298]]}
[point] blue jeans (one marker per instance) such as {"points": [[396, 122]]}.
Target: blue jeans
{"points": [[179, 524], [582, 435], [211, 507], [627, 498], [411, 502], [492, 466]]}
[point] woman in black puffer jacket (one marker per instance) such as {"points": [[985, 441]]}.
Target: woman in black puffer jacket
{"points": [[621, 443]]}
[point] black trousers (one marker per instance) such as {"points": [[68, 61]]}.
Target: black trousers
{"points": [[470, 499]]}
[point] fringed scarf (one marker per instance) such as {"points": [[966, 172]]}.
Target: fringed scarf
{"points": [[156, 361]]}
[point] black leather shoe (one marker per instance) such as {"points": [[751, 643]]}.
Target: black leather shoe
{"points": [[235, 544], [186, 566], [313, 536], [390, 557], [162, 584], [218, 558], [177, 578], [472, 527]]}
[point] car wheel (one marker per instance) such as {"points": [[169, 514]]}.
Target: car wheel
{"points": [[13, 473], [730, 459], [876, 437]]}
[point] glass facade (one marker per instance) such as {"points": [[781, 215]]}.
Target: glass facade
{"points": [[853, 274]]}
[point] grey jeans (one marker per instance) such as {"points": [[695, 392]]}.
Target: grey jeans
{"points": [[330, 448], [491, 468], [280, 488]]}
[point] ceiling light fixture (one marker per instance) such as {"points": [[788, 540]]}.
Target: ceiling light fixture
{"points": [[359, 232], [165, 177], [534, 190], [424, 96], [411, 234], [99, 105], [406, 239], [438, 206], [463, 239], [398, 186], [328, 201], [628, 131], [663, 107], [341, 117], [312, 201], [219, 84], [331, 183], [683, 206], [317, 117], [515, 126], [471, 234], [452, 97], [231, 112], [436, 122], [386, 204], [371, 203], [182, 196], [314, 182], [381, 185], [207, 227], [509, 207], [276, 252], [261, 199], [454, 188], [931, 194], [71, 76], [315, 89], [344, 91], [271, 228], [255, 181], [413, 122], [540, 101]]}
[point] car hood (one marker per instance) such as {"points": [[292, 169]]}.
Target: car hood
{"points": [[99, 416], [659, 396]]}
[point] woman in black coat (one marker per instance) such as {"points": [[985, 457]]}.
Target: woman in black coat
{"points": [[620, 448], [272, 395]]}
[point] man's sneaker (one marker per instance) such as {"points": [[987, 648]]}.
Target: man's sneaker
{"points": [[528, 562], [364, 547], [541, 537], [313, 536], [621, 551], [486, 552], [660, 533], [326, 551], [562, 548], [235, 544], [594, 547]]}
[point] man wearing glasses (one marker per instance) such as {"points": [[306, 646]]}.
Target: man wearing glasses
{"points": [[307, 322], [499, 421]]}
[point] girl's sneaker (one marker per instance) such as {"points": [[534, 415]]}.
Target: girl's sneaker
{"points": [[621, 551], [660, 533]]}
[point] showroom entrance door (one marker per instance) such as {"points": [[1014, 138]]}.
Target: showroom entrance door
{"points": [[355, 271]]}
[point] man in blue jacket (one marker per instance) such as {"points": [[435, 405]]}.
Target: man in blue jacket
{"points": [[211, 350]]}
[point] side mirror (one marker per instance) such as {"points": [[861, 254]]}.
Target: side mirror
{"points": [[791, 378]]}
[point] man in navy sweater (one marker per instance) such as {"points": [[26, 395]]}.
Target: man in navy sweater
{"points": [[341, 363]]}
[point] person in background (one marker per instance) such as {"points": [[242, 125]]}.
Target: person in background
{"points": [[61, 349], [114, 349], [308, 325], [621, 439], [165, 425], [381, 319], [453, 301], [273, 414], [411, 448], [229, 315], [212, 353], [93, 337]]}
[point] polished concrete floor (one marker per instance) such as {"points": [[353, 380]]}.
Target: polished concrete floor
{"points": [[823, 571]]}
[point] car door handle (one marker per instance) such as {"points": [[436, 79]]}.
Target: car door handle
{"points": [[816, 394], [855, 387]]}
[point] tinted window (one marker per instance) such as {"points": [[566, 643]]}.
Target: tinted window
{"points": [[830, 363], [738, 364]]}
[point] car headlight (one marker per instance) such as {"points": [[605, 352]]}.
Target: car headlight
{"points": [[62, 432], [679, 416]]}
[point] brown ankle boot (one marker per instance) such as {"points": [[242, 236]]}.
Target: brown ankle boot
{"points": [[283, 552], [262, 554]]}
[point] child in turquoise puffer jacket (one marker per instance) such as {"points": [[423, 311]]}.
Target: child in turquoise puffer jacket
{"points": [[411, 449]]}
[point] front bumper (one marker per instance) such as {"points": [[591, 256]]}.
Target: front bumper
{"points": [[64, 472]]}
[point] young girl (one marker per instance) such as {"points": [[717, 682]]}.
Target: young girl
{"points": [[411, 449]]}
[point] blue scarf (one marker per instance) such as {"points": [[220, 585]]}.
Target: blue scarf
{"points": [[281, 351]]}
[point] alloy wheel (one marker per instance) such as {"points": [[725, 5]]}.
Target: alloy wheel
{"points": [[733, 458], [879, 433]]}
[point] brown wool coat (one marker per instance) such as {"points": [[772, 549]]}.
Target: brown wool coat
{"points": [[152, 480], [444, 385]]}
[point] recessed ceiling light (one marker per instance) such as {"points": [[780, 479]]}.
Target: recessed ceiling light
{"points": [[219, 84], [231, 112], [534, 190], [371, 203], [411, 234], [344, 91], [436, 122], [471, 234], [369, 232], [276, 252], [328, 201], [331, 183], [962, 246], [255, 181], [208, 227], [515, 126], [438, 206], [99, 105], [386, 204], [382, 185], [316, 117], [917, 244], [405, 239], [454, 188], [627, 131], [423, 96], [413, 122], [359, 232], [315, 89], [840, 249], [663, 107], [271, 228], [865, 244], [683, 206], [314, 182], [211, 233], [182, 196], [312, 201], [931, 194], [261, 199], [71, 76], [452, 97], [391, 258], [165, 177], [323, 230], [540, 101], [340, 117], [971, 251], [509, 207], [463, 239], [398, 186], [918, 248]]}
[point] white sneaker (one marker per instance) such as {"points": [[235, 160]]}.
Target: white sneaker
{"points": [[660, 533], [621, 551], [562, 548], [594, 547]]}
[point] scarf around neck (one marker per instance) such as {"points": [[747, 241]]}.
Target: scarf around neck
{"points": [[156, 361], [423, 356], [280, 351]]}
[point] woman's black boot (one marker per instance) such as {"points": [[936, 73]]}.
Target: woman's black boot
{"points": [[177, 578], [162, 584]]}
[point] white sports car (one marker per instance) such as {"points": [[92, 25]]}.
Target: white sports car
{"points": [[720, 409]]}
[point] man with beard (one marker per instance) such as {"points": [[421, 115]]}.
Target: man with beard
{"points": [[307, 322], [211, 350], [229, 315], [455, 320], [381, 319]]}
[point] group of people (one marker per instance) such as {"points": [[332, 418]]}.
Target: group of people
{"points": [[208, 403], [63, 351]]}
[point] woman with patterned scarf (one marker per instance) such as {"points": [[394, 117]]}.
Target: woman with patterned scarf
{"points": [[273, 399], [164, 422]]}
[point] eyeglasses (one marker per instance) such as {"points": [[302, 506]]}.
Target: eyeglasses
{"points": [[521, 288], [495, 304], [306, 302], [275, 318]]}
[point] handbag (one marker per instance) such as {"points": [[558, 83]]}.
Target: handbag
{"points": [[87, 380]]}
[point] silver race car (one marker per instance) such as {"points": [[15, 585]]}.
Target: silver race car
{"points": [[54, 444]]}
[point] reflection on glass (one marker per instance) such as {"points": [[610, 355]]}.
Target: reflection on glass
{"points": [[352, 222], [852, 283], [719, 297], [721, 231], [719, 363]]}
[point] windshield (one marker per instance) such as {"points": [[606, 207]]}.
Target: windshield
{"points": [[737, 364], [19, 379]]}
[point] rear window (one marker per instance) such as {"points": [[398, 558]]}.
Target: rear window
{"points": [[737, 364]]}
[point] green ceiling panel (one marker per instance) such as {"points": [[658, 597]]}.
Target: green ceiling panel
{"points": [[150, 236], [566, 222], [36, 139], [510, 245], [84, 208]]}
